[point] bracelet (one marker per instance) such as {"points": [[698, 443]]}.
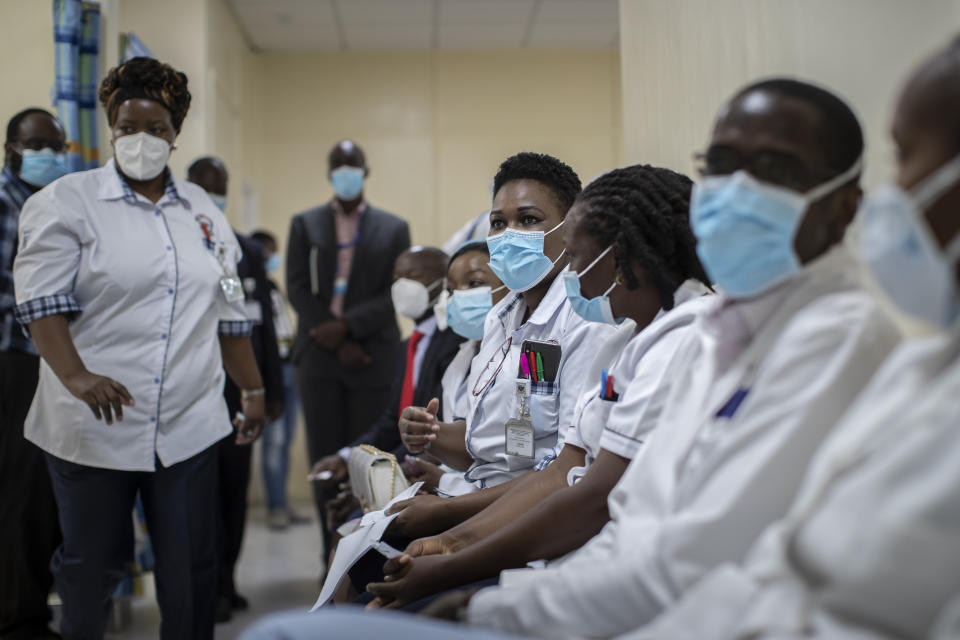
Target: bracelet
{"points": [[252, 393]]}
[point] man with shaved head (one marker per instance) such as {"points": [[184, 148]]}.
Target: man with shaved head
{"points": [[871, 547], [418, 280], [340, 265]]}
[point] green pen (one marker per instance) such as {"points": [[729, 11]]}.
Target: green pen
{"points": [[539, 366]]}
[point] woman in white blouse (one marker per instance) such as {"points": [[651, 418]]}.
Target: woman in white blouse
{"points": [[126, 279]]}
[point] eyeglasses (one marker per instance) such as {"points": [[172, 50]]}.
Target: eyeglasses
{"points": [[39, 144], [504, 350], [767, 166]]}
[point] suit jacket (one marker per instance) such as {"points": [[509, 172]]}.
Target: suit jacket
{"points": [[367, 308], [384, 434], [256, 289]]}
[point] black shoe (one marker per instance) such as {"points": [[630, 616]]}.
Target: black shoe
{"points": [[32, 632], [239, 603], [224, 611]]}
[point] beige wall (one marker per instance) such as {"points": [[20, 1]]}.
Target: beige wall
{"points": [[682, 58], [434, 126], [26, 45]]}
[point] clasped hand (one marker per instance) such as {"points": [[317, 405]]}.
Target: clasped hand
{"points": [[418, 426]]}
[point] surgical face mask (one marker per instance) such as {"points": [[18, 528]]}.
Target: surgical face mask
{"points": [[220, 201], [596, 309], [411, 299], [517, 258], [347, 182], [745, 229], [467, 309], [141, 156], [40, 168], [903, 255], [273, 263]]}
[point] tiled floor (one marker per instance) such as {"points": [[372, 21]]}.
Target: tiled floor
{"points": [[277, 571]]}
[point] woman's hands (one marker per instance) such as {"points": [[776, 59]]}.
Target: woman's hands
{"points": [[418, 426], [105, 396], [419, 470], [250, 424]]}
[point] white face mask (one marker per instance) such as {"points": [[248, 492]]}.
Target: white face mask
{"points": [[411, 299], [141, 156], [904, 256]]}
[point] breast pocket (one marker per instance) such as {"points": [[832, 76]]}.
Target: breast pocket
{"points": [[545, 409], [593, 420]]}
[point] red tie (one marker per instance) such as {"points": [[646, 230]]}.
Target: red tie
{"points": [[406, 394]]}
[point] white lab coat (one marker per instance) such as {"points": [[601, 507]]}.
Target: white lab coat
{"points": [[638, 362], [871, 546], [493, 376], [704, 486], [456, 405]]}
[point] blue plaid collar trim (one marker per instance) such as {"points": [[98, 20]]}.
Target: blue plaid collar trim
{"points": [[17, 183], [509, 306]]}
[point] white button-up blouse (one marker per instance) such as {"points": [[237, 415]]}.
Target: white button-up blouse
{"points": [[140, 284]]}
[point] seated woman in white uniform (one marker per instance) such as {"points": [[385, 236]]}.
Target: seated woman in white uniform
{"points": [[532, 194], [632, 259], [471, 291]]}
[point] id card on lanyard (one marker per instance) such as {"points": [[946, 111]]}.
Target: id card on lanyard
{"points": [[519, 433], [230, 284]]}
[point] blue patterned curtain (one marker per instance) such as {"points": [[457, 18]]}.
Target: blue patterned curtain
{"points": [[76, 35]]}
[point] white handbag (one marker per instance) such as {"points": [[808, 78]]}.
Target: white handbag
{"points": [[375, 476]]}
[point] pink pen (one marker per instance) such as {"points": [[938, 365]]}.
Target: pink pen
{"points": [[523, 365]]}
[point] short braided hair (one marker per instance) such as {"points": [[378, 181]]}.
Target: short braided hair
{"points": [[547, 170], [146, 78], [643, 212]]}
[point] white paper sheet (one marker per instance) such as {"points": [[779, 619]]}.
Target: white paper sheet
{"points": [[369, 518], [354, 546]]}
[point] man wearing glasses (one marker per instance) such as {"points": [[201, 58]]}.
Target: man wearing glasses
{"points": [[33, 158]]}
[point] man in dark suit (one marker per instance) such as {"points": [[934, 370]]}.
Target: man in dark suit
{"points": [[340, 260], [233, 460], [426, 354]]}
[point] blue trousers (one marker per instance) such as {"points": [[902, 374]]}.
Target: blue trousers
{"points": [[277, 437], [95, 507]]}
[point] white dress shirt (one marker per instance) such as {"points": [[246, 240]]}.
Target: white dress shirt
{"points": [[428, 327], [871, 546], [493, 397], [456, 405], [140, 284], [752, 399]]}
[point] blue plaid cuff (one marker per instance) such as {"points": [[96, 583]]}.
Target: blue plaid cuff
{"points": [[545, 462], [235, 328], [58, 304]]}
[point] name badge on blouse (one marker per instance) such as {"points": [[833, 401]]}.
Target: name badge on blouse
{"points": [[230, 284], [232, 288], [519, 433]]}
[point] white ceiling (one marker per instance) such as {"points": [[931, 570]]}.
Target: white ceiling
{"points": [[364, 25]]}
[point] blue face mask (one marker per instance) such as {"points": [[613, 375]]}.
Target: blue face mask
{"points": [[347, 182], [466, 311], [516, 257], [220, 201], [904, 256], [595, 309], [40, 168], [745, 229], [273, 263]]}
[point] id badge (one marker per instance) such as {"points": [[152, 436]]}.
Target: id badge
{"points": [[519, 433], [519, 437], [232, 288]]}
